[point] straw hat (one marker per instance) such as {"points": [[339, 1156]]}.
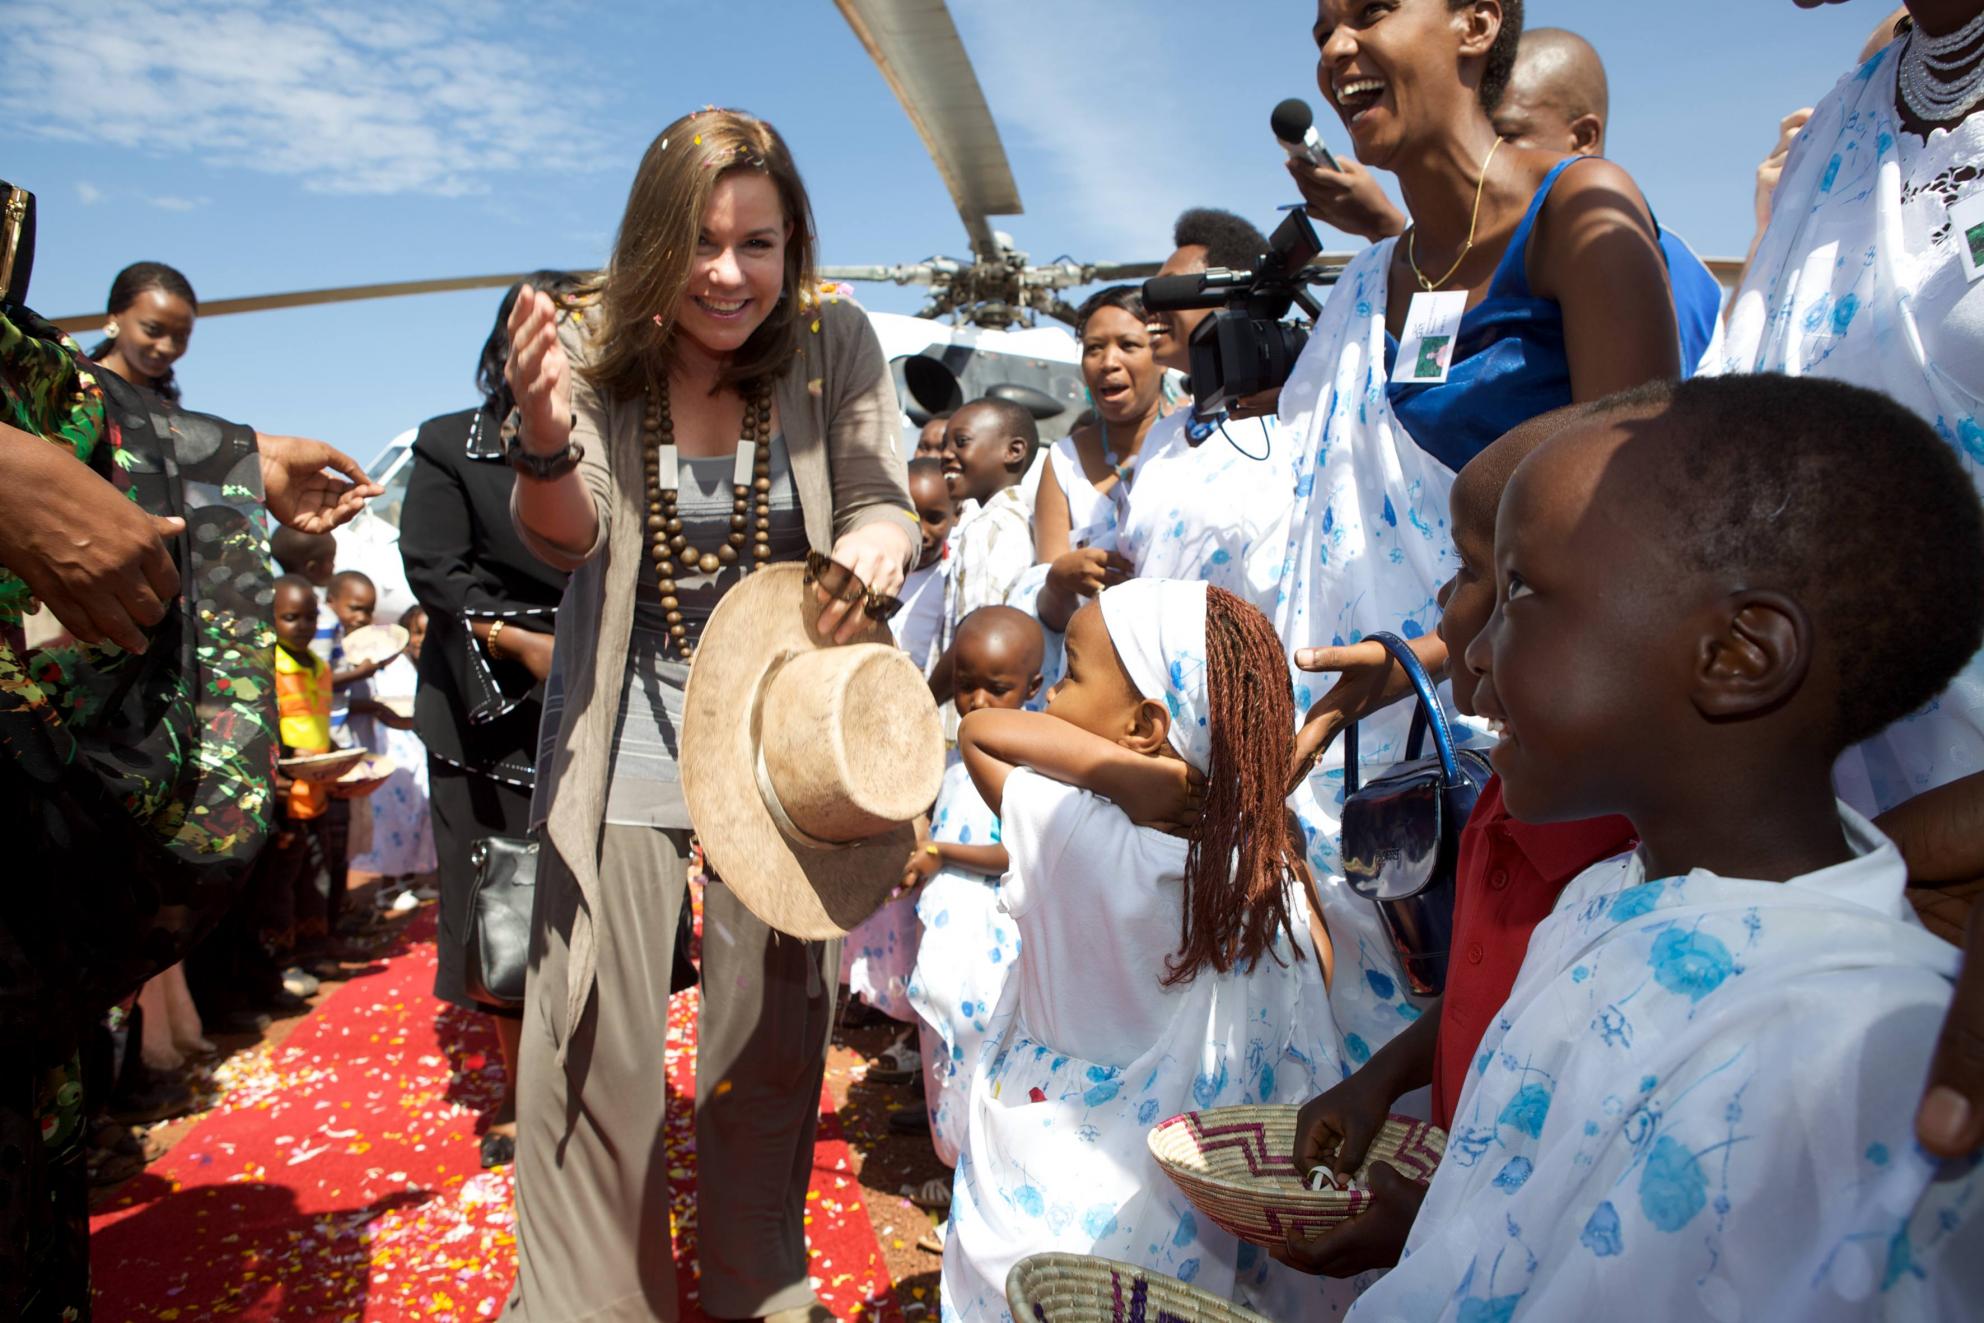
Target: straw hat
{"points": [[805, 764]]}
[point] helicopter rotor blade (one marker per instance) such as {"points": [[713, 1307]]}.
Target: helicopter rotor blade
{"points": [[916, 46], [310, 297]]}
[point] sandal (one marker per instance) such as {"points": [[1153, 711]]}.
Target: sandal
{"points": [[933, 1196], [899, 1063]]}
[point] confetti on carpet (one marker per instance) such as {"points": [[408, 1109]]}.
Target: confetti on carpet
{"points": [[339, 1178]]}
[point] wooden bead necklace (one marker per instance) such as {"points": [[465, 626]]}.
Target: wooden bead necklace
{"points": [[750, 511]]}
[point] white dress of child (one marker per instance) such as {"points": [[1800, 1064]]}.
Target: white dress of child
{"points": [[1699, 1102], [965, 955], [402, 825], [1087, 1048]]}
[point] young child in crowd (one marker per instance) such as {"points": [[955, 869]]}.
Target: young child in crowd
{"points": [[354, 600], [292, 879], [1510, 874], [988, 447], [1699, 1097], [919, 626], [1158, 969], [968, 942], [401, 855]]}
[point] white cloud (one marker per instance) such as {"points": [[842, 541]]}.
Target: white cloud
{"points": [[433, 101], [87, 193], [171, 203]]}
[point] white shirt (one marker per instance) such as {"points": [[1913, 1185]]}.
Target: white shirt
{"points": [[919, 626], [994, 547], [1100, 905]]}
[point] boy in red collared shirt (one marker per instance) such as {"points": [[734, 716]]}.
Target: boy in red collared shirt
{"points": [[1509, 876]]}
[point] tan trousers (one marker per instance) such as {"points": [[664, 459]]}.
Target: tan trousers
{"points": [[592, 1177]]}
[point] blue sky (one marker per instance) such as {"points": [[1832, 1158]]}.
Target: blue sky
{"points": [[262, 146]]}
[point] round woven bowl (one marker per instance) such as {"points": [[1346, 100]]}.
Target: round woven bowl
{"points": [[1079, 1288], [1235, 1165], [321, 766]]}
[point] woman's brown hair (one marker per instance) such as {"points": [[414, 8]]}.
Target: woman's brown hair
{"points": [[1241, 859], [648, 275]]}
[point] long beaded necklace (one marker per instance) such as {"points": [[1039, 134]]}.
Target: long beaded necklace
{"points": [[750, 511], [1926, 64], [1412, 238]]}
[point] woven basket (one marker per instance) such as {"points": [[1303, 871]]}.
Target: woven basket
{"points": [[1079, 1288], [1235, 1165]]}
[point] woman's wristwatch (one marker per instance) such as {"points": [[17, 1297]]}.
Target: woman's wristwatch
{"points": [[531, 464]]}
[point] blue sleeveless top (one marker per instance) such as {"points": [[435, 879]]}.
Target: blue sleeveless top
{"points": [[1509, 363]]}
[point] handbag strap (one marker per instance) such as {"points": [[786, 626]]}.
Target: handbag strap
{"points": [[1428, 715]]}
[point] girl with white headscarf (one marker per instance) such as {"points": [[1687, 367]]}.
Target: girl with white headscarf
{"points": [[1159, 966]]}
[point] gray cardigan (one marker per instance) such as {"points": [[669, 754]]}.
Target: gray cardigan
{"points": [[838, 413]]}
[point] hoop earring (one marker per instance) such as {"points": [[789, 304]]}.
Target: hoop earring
{"points": [[110, 330]]}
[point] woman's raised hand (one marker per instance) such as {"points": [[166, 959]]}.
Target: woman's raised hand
{"points": [[539, 374]]}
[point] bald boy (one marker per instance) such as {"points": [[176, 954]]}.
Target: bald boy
{"points": [[997, 656], [1556, 99]]}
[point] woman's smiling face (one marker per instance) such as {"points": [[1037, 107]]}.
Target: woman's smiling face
{"points": [[739, 268], [1389, 69]]}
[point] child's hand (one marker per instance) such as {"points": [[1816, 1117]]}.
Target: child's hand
{"points": [[924, 863], [1335, 1128], [1181, 814], [1086, 571], [1373, 1239], [1368, 680]]}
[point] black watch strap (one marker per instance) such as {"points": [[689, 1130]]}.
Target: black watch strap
{"points": [[541, 467]]}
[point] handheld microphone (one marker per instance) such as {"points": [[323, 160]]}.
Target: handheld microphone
{"points": [[1294, 125]]}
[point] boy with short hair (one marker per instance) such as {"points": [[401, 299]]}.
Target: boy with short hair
{"points": [[293, 876], [988, 446], [1699, 1096]]}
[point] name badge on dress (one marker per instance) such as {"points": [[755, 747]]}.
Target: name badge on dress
{"points": [[1967, 228], [1426, 349]]}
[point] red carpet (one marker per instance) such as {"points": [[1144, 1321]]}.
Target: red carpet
{"points": [[338, 1180]]}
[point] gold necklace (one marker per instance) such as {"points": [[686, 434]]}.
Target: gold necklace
{"points": [[1412, 239], [750, 511]]}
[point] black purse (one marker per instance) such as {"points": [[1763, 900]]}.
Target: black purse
{"points": [[497, 954], [1401, 831]]}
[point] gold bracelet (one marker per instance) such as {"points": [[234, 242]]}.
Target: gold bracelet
{"points": [[495, 628]]}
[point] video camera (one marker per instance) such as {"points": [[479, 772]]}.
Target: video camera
{"points": [[1246, 347]]}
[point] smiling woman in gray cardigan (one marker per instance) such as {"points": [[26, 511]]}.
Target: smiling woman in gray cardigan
{"points": [[706, 318]]}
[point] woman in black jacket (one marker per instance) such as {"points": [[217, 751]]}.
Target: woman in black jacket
{"points": [[490, 608]]}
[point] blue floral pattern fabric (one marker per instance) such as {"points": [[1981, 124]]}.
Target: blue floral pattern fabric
{"points": [[967, 950], [1859, 279], [1199, 510], [1364, 547], [1700, 1098]]}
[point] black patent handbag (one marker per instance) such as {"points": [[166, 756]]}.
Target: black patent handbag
{"points": [[1401, 830], [497, 954]]}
